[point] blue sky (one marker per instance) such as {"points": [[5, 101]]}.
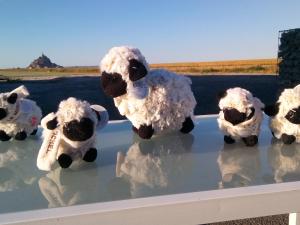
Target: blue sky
{"points": [[74, 32]]}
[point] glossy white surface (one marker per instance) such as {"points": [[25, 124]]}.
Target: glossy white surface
{"points": [[192, 166]]}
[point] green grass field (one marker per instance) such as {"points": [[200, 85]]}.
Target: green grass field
{"points": [[257, 66]]}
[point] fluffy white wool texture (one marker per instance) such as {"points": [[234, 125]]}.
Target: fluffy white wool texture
{"points": [[283, 164], [242, 100], [68, 110], [169, 101], [24, 115], [289, 99]]}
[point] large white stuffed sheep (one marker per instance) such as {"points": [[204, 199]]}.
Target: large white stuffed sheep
{"points": [[70, 133], [285, 116], [240, 116], [19, 117], [154, 101]]}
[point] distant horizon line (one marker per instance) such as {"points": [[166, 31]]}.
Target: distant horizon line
{"points": [[164, 63]]}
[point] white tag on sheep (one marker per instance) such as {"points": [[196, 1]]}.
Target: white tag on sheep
{"points": [[48, 150]]}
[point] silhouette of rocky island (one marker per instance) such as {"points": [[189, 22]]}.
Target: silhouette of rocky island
{"points": [[43, 62]]}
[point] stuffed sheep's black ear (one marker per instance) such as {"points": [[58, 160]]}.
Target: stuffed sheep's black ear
{"points": [[52, 124], [272, 110], [221, 95], [136, 70], [102, 115], [12, 98]]}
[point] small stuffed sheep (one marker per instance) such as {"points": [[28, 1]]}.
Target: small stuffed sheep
{"points": [[70, 133], [240, 116], [19, 117], [285, 116], [155, 101]]}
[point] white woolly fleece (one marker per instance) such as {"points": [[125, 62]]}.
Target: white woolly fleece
{"points": [[289, 99], [242, 100], [24, 115], [170, 98], [55, 143]]}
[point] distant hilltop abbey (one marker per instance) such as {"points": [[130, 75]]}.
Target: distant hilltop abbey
{"points": [[43, 62]]}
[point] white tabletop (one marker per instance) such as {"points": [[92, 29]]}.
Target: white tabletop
{"points": [[194, 170]]}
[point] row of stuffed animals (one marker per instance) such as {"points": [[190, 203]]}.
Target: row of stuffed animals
{"points": [[155, 101]]}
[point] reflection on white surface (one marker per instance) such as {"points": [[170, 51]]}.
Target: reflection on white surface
{"points": [[128, 167], [285, 161], [238, 166], [66, 187], [16, 169], [152, 165]]}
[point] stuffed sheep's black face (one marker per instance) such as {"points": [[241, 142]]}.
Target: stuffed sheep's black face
{"points": [[136, 70], [11, 99], [235, 117], [79, 130], [113, 84], [293, 116], [3, 113]]}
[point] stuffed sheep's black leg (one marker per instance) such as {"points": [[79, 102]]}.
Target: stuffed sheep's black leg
{"points": [[64, 160], [251, 140], [90, 155], [187, 125], [4, 136], [21, 136], [228, 139], [145, 131], [288, 139]]}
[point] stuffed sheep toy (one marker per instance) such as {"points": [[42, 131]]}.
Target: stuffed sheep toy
{"points": [[70, 133], [285, 116], [156, 101], [240, 116], [19, 117]]}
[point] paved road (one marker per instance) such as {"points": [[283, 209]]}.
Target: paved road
{"points": [[48, 93]]}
